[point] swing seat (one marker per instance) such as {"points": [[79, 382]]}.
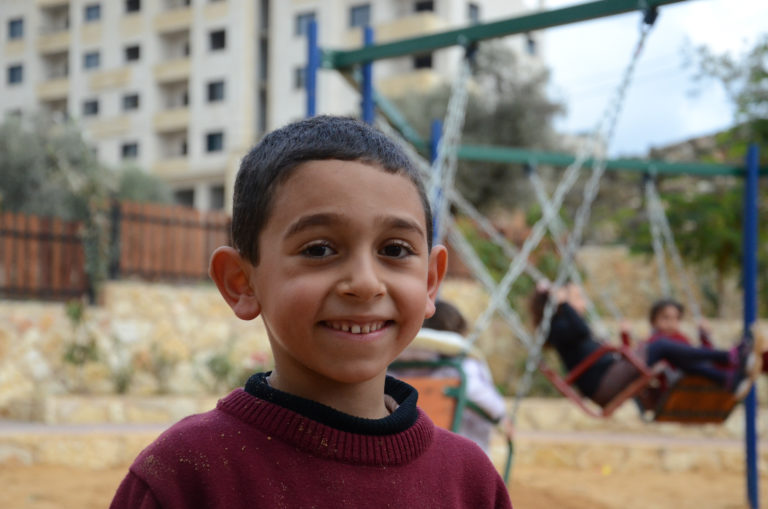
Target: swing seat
{"points": [[688, 399], [437, 397], [647, 377]]}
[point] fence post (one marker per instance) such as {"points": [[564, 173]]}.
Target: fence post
{"points": [[115, 249]]}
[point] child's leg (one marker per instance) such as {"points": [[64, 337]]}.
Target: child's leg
{"points": [[690, 359]]}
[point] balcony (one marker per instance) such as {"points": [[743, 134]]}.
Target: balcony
{"points": [[172, 120], [132, 25], [171, 166], [51, 3], [114, 78], [215, 10], [421, 80], [14, 49], [109, 127], [421, 23], [55, 89], [174, 20], [53, 41], [173, 70]]}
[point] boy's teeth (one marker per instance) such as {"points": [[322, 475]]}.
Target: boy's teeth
{"points": [[355, 328]]}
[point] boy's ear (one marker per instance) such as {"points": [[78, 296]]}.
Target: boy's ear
{"points": [[438, 264], [231, 274]]}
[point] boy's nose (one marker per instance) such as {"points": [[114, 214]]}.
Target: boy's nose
{"points": [[362, 280]]}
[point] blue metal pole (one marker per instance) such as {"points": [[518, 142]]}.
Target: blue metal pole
{"points": [[434, 138], [750, 314], [313, 64], [367, 83], [436, 132]]}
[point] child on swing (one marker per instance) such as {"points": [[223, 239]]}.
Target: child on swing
{"points": [[332, 248], [573, 340]]}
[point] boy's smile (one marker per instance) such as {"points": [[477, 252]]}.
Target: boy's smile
{"points": [[344, 278]]}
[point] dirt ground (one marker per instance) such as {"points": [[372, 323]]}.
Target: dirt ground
{"points": [[41, 487]]}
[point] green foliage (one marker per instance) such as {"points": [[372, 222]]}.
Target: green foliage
{"points": [[745, 80], [48, 169], [507, 106], [707, 225], [134, 184]]}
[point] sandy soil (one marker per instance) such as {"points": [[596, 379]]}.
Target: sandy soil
{"points": [[41, 487]]}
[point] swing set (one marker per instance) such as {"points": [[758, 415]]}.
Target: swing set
{"points": [[661, 393]]}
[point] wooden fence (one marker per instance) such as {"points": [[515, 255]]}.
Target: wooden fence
{"points": [[44, 258], [166, 242], [41, 257]]}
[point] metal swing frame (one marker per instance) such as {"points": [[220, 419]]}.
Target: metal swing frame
{"points": [[341, 60]]}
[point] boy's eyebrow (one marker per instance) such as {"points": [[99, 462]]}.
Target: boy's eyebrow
{"points": [[304, 222], [328, 218], [401, 223]]}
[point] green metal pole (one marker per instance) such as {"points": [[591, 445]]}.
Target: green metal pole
{"points": [[343, 59]]}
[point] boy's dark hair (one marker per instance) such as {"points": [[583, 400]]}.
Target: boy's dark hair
{"points": [[659, 306], [536, 304], [273, 159], [447, 317]]}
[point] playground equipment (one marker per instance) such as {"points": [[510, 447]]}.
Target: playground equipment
{"points": [[449, 150]]}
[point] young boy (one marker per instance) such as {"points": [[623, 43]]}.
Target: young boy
{"points": [[332, 248]]}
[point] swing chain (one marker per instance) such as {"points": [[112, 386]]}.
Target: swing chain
{"points": [[558, 233], [446, 162], [609, 118], [658, 248]]}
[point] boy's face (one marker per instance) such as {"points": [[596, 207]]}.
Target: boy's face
{"points": [[344, 278], [667, 320]]}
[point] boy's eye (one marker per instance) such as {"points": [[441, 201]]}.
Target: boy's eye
{"points": [[397, 250], [317, 251]]}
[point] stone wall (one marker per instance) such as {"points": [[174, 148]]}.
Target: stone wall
{"points": [[146, 339]]}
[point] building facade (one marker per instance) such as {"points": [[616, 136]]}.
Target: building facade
{"points": [[182, 88]]}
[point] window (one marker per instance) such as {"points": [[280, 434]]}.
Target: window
{"points": [[15, 74], [129, 150], [16, 28], [473, 13], [302, 22], [132, 53], [185, 197], [530, 44], [359, 15], [217, 197], [214, 142], [218, 40], [132, 5], [92, 12], [424, 6], [215, 91], [422, 61], [90, 107], [300, 77], [264, 10], [130, 102], [91, 60]]}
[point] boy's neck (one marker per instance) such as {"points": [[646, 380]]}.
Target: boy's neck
{"points": [[364, 399]]}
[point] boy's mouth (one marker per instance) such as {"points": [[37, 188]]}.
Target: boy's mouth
{"points": [[356, 328]]}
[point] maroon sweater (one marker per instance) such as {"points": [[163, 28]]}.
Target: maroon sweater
{"points": [[263, 448]]}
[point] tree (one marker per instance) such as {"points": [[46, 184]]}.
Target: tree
{"points": [[707, 225], [507, 106], [48, 169], [745, 80]]}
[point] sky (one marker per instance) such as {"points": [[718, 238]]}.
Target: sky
{"points": [[664, 104]]}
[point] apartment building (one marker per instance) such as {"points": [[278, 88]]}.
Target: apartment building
{"points": [[182, 88]]}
